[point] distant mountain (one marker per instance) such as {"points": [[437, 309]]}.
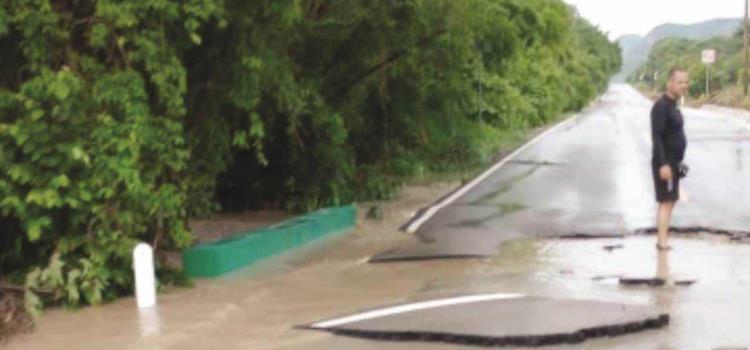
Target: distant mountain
{"points": [[635, 48], [630, 40]]}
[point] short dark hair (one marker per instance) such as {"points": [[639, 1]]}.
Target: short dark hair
{"points": [[674, 71]]}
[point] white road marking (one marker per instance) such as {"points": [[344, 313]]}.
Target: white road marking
{"points": [[414, 307], [433, 209]]}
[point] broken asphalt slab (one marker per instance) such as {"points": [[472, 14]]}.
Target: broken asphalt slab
{"points": [[484, 229], [612, 247], [654, 281], [497, 320], [638, 281], [646, 281]]}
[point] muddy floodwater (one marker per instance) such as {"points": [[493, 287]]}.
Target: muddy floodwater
{"points": [[257, 308]]}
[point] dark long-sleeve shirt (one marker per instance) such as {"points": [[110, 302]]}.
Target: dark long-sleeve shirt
{"points": [[667, 134]]}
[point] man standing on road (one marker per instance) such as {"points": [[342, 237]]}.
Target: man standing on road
{"points": [[669, 144]]}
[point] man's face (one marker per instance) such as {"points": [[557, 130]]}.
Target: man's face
{"points": [[678, 84]]}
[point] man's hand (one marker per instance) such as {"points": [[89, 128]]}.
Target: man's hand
{"points": [[665, 172]]}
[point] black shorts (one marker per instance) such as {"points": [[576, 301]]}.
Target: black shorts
{"points": [[665, 192]]}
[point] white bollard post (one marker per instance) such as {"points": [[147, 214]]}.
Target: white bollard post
{"points": [[145, 280], [149, 321]]}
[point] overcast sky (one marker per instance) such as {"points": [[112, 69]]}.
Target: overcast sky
{"points": [[620, 17]]}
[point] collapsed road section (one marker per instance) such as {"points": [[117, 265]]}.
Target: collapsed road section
{"points": [[497, 320]]}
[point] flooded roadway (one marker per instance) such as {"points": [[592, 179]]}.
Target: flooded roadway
{"points": [[257, 308]]}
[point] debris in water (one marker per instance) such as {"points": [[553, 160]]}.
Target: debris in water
{"points": [[612, 247]]}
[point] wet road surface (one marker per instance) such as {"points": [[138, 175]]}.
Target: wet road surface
{"points": [[591, 176]]}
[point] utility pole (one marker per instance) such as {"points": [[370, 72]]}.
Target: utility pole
{"points": [[480, 100], [747, 61]]}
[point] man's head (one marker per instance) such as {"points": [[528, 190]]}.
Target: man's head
{"points": [[677, 83]]}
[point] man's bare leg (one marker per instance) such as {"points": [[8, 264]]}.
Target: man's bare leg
{"points": [[663, 218]]}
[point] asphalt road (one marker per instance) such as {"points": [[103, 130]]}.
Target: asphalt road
{"points": [[590, 176]]}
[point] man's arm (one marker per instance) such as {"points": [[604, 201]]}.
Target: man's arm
{"points": [[658, 121]]}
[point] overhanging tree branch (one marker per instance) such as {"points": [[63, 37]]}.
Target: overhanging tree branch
{"points": [[389, 60]]}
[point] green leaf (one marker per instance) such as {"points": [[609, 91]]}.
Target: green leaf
{"points": [[37, 114], [195, 38], [86, 195], [240, 139], [47, 198], [34, 227], [99, 35], [34, 232], [19, 174], [72, 286], [79, 154], [60, 181], [60, 89], [11, 202], [32, 304]]}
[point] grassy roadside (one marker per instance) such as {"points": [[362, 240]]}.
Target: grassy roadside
{"points": [[509, 142]]}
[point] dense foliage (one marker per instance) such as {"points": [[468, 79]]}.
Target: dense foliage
{"points": [[726, 72], [122, 119]]}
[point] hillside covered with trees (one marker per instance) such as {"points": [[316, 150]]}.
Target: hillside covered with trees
{"points": [[725, 75], [635, 48]]}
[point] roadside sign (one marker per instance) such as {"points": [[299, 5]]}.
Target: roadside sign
{"points": [[708, 56]]}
